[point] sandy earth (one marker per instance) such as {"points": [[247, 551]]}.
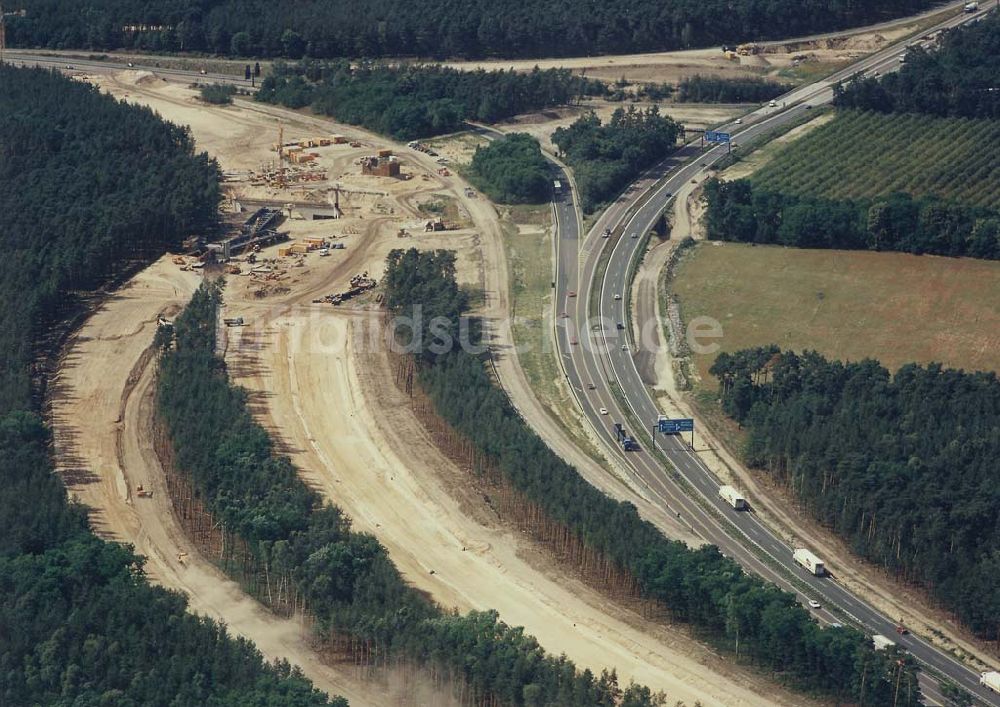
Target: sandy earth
{"points": [[101, 412], [326, 400], [372, 458], [829, 49]]}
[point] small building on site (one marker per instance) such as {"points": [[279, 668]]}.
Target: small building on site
{"points": [[380, 166]]}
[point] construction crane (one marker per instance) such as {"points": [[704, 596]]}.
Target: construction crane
{"points": [[3, 28], [281, 154], [336, 201]]}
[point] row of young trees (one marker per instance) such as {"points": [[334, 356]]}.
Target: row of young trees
{"points": [[512, 170], [87, 186], [432, 28], [758, 622], [418, 101], [863, 155], [299, 545], [902, 466], [715, 89], [957, 80], [740, 211], [606, 157]]}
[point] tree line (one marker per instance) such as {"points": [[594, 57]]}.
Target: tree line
{"points": [[512, 170], [739, 211], [751, 619], [218, 94], [89, 185], [345, 579], [607, 157], [903, 466], [959, 79], [715, 89], [433, 28], [408, 102]]}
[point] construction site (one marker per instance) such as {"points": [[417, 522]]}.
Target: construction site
{"points": [[303, 257]]}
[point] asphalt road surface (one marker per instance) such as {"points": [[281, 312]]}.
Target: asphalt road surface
{"points": [[598, 356], [112, 65]]}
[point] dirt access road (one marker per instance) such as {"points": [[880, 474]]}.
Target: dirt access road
{"points": [[101, 414], [389, 479], [791, 59]]}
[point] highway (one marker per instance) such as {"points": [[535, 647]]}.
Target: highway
{"points": [[603, 375], [111, 65], [599, 359]]}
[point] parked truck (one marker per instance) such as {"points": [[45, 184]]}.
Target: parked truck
{"points": [[733, 498], [808, 560], [990, 680], [882, 642]]}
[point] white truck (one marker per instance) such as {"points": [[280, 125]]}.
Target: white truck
{"points": [[990, 680], [971, 6], [733, 498], [809, 561], [882, 642]]}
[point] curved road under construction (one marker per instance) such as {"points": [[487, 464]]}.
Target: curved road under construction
{"points": [[599, 359]]}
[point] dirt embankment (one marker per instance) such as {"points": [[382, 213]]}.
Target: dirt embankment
{"points": [[101, 406]]}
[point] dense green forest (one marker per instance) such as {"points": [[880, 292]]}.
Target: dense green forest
{"points": [[303, 549], [419, 101], [957, 80], [760, 623], [740, 211], [87, 186], [902, 466], [431, 28], [607, 157], [714, 89], [512, 170]]}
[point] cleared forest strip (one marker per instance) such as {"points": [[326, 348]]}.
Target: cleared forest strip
{"points": [[103, 449]]}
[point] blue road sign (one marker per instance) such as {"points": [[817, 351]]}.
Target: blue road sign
{"points": [[716, 136], [672, 427]]}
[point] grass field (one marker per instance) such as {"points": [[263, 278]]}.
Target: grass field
{"points": [[869, 154], [528, 242], [892, 307]]}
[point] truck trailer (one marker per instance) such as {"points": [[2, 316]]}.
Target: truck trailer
{"points": [[809, 561], [990, 680], [624, 439], [882, 642], [733, 497]]}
